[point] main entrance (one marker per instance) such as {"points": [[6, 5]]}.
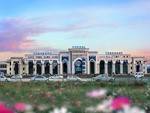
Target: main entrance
{"points": [[78, 67]]}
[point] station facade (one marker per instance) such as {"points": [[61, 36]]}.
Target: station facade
{"points": [[76, 60]]}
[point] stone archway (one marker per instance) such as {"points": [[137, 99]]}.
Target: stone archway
{"points": [[55, 67], [102, 67], [110, 63], [125, 67], [65, 67], [138, 68], [31, 68], [39, 68], [117, 67], [47, 68], [16, 68], [92, 67], [78, 66]]}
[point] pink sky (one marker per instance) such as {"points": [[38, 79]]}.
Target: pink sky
{"points": [[97, 24]]}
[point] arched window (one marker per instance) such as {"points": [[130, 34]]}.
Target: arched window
{"points": [[30, 68], [65, 67], [16, 68], [47, 68], [39, 67], [117, 67], [137, 68], [110, 67], [92, 67], [125, 67], [55, 67], [102, 67]]}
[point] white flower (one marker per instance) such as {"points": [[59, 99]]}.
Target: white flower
{"points": [[105, 107], [42, 107], [28, 107], [62, 110], [128, 109]]}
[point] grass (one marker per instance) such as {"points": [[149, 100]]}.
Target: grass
{"points": [[71, 94]]}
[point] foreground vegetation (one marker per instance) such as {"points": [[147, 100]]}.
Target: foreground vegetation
{"points": [[71, 94]]}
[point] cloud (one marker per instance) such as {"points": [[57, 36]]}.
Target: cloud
{"points": [[16, 33]]}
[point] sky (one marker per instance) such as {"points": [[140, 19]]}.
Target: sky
{"points": [[101, 25]]}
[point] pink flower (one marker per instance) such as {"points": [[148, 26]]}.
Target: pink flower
{"points": [[120, 102], [100, 93], [4, 109], [21, 107]]}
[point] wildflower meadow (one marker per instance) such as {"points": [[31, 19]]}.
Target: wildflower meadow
{"points": [[75, 97]]}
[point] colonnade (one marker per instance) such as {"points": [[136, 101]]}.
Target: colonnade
{"points": [[35, 67], [42, 67], [117, 67], [114, 67], [53, 67]]}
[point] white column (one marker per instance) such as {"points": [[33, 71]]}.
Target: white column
{"points": [[129, 67], [133, 67], [20, 67], [43, 67], [61, 68], [27, 67], [12, 68], [145, 67], [121, 67], [51, 68], [98, 71], [141, 67], [106, 67], [69, 68], [88, 66], [113, 67], [95, 68], [34, 66], [8, 68], [73, 70]]}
